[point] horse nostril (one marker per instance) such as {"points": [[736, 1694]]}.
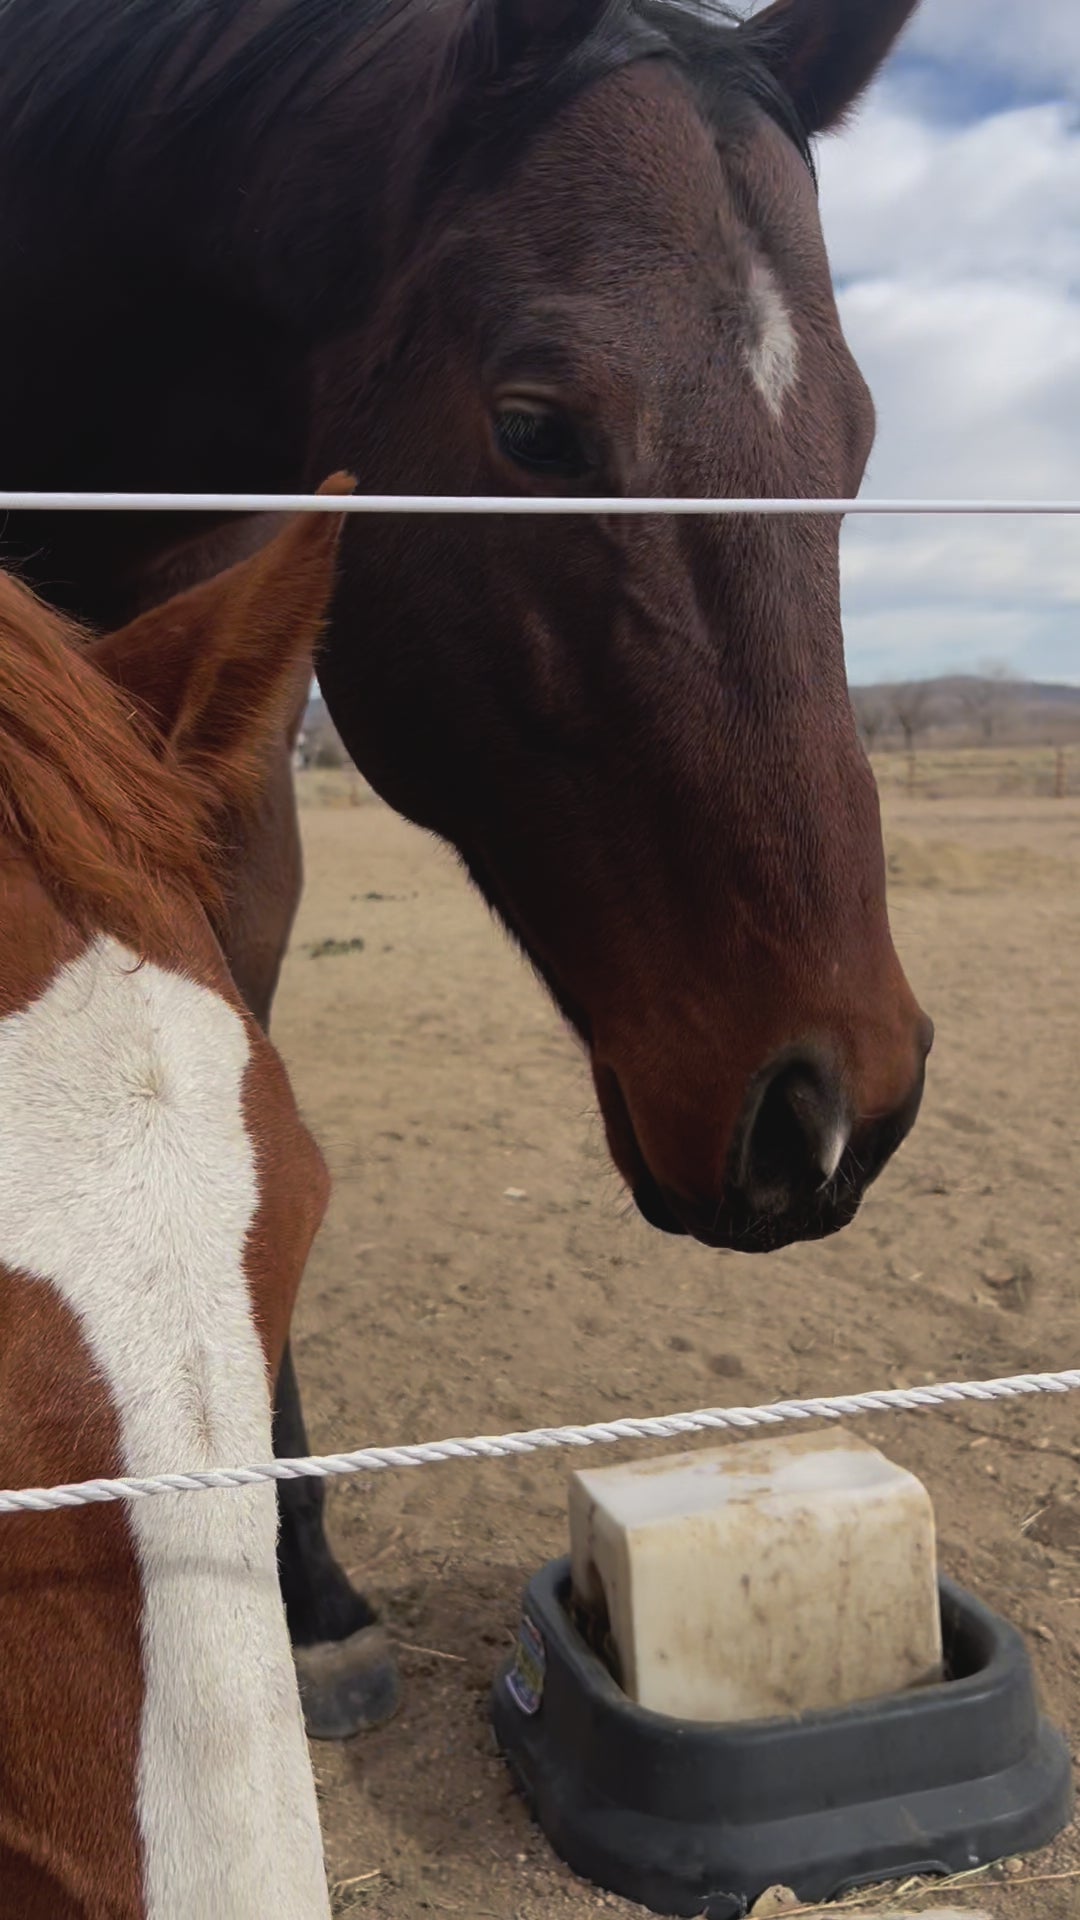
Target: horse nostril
{"points": [[797, 1131]]}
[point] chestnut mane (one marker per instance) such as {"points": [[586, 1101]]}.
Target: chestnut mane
{"points": [[110, 824]]}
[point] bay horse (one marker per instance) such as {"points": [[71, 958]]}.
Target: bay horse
{"points": [[508, 247], [158, 1197]]}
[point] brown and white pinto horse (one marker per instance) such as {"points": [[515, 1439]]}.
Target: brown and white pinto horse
{"points": [[158, 1197]]}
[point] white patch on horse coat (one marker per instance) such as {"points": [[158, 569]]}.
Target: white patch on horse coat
{"points": [[773, 356], [833, 1153], [128, 1183]]}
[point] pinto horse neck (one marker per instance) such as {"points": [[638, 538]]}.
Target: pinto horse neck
{"points": [[158, 1200]]}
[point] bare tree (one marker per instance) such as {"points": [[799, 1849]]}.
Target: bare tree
{"points": [[988, 699], [872, 716], [319, 744], [913, 703], [913, 706]]}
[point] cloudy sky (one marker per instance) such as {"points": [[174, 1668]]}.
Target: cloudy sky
{"points": [[952, 212]]}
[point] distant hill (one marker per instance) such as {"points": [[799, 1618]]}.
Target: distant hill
{"points": [[974, 708], [956, 708], [951, 687]]}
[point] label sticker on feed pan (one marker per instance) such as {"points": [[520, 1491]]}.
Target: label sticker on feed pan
{"points": [[525, 1680]]}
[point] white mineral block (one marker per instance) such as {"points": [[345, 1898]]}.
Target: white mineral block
{"points": [[772, 1577]]}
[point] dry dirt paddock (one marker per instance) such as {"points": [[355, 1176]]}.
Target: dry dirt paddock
{"points": [[480, 1271]]}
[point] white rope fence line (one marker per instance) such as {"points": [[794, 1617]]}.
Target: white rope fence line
{"points": [[669, 1426], [518, 505]]}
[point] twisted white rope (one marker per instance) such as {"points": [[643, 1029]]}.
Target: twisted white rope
{"points": [[486, 1447], [515, 504]]}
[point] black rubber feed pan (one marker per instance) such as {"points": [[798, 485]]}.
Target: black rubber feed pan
{"points": [[697, 1818]]}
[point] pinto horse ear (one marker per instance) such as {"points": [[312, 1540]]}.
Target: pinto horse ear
{"points": [[825, 53], [527, 28], [219, 670]]}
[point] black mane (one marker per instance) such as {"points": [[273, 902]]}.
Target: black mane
{"points": [[186, 82]]}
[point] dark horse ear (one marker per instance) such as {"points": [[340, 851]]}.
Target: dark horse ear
{"points": [[529, 28], [825, 53]]}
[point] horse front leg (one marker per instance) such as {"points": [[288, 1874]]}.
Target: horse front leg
{"points": [[344, 1663]]}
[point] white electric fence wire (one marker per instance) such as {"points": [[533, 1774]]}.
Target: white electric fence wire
{"points": [[516, 504], [486, 1447]]}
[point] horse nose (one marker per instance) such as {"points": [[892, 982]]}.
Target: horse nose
{"points": [[795, 1132]]}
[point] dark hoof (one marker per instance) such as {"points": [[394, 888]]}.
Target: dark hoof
{"points": [[347, 1686]]}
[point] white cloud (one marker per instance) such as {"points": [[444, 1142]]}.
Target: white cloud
{"points": [[957, 248], [997, 197], [977, 385], [916, 642], [1025, 42]]}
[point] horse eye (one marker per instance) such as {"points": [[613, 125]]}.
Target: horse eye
{"points": [[540, 439]]}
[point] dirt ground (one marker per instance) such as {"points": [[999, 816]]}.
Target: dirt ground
{"points": [[480, 1270]]}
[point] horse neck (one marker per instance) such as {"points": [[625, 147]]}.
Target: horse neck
{"points": [[138, 1334], [275, 184], [225, 254], [324, 212]]}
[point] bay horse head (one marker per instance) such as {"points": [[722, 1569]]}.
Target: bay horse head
{"points": [[610, 278], [159, 1198]]}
